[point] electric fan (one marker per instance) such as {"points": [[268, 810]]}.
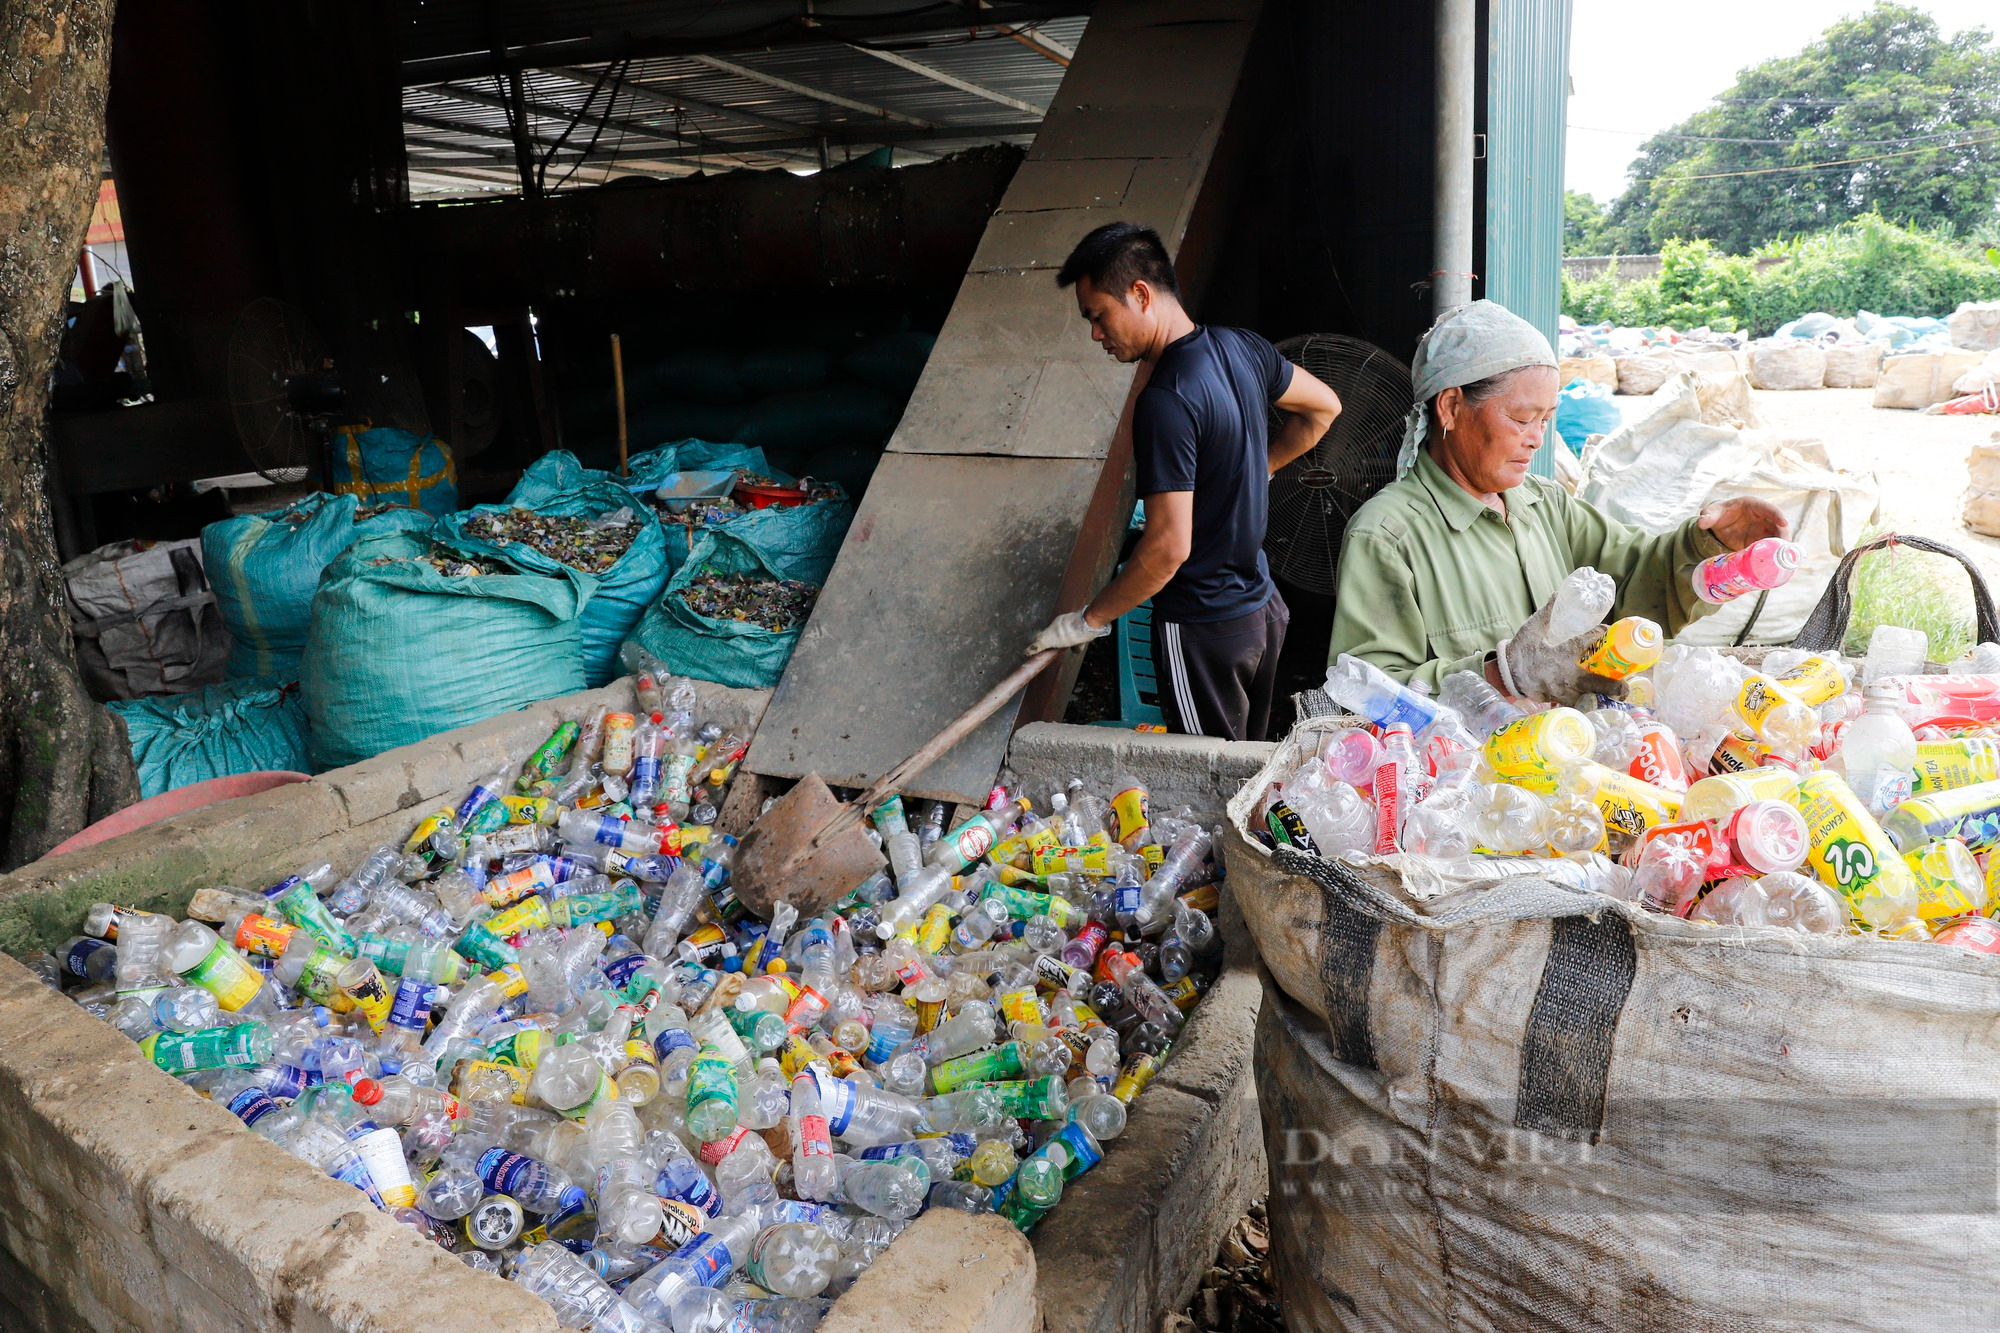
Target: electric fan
{"points": [[283, 392], [1313, 496]]}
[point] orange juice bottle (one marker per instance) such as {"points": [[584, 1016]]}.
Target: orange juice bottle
{"points": [[1625, 648]]}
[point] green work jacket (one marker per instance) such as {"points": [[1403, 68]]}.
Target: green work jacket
{"points": [[1431, 580]]}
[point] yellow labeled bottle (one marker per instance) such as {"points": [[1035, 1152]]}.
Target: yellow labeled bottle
{"points": [[1852, 855], [1628, 804], [1625, 648], [1949, 883], [1815, 680], [1536, 750], [1779, 717], [1947, 765], [1717, 798]]}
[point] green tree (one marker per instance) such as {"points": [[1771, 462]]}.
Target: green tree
{"points": [[1583, 224], [1908, 120]]}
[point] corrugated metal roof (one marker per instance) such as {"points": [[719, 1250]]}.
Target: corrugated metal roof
{"points": [[926, 93]]}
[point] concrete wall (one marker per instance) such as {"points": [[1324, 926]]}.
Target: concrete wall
{"points": [[1630, 268], [126, 1200]]}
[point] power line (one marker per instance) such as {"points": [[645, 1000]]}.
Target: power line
{"points": [[1815, 166], [1716, 138]]}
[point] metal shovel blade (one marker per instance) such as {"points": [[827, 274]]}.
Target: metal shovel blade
{"points": [[779, 860]]}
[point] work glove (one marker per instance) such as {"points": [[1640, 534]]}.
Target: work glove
{"points": [[1533, 668], [1065, 631]]}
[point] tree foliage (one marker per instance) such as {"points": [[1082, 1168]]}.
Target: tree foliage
{"points": [[1908, 119], [1583, 224], [1867, 264]]}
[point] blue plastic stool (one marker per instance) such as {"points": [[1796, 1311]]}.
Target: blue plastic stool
{"points": [[1138, 682]]}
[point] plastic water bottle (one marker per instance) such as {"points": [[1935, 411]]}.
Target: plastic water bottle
{"points": [[649, 742], [794, 1259], [1878, 751], [1983, 660], [1894, 651], [1761, 565], [1365, 690], [1484, 708], [1581, 600]]}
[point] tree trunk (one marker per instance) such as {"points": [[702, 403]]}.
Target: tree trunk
{"points": [[63, 759]]}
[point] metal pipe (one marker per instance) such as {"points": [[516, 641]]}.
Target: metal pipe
{"points": [[1457, 76]]}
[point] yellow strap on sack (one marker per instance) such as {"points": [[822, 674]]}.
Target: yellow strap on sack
{"points": [[410, 487]]}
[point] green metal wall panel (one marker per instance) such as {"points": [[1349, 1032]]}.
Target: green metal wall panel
{"points": [[1527, 87]]}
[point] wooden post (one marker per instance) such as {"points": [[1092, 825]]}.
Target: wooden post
{"points": [[618, 382]]}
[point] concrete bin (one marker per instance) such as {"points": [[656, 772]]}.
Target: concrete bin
{"points": [[126, 1200]]}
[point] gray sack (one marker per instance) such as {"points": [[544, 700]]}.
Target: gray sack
{"points": [[1521, 1106]]}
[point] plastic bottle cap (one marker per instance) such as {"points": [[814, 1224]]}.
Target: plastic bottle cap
{"points": [[1770, 835], [659, 718], [732, 964], [776, 965], [367, 1091]]}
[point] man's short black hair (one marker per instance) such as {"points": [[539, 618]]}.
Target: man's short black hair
{"points": [[1117, 255]]}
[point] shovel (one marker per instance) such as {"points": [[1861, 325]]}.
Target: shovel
{"points": [[811, 851]]}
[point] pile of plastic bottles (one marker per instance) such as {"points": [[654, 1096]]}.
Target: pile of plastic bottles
{"points": [[543, 1032], [1803, 792]]}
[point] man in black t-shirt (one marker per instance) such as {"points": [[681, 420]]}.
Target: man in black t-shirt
{"points": [[1203, 458]]}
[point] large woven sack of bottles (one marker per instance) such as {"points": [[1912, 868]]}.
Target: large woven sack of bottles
{"points": [[542, 1031], [1643, 1013]]}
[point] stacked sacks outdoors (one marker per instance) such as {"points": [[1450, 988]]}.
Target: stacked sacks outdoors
{"points": [[542, 1032]]}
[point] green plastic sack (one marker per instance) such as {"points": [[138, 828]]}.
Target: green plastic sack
{"points": [[238, 726], [398, 651], [727, 652], [560, 470], [265, 568], [804, 538], [554, 472], [708, 456], [624, 591], [384, 465]]}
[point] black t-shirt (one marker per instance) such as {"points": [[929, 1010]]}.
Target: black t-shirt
{"points": [[1201, 425]]}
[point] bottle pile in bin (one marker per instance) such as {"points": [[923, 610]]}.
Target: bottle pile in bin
{"points": [[1803, 792], [544, 1033]]}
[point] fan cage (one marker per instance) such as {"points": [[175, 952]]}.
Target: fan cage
{"points": [[1313, 497]]}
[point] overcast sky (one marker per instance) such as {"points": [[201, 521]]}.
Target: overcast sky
{"points": [[1639, 69]]}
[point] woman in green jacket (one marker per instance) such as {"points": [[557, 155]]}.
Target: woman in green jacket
{"points": [[1439, 569]]}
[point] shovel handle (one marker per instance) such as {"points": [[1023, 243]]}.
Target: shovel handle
{"points": [[955, 731]]}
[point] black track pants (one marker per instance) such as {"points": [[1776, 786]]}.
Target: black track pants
{"points": [[1217, 677]]}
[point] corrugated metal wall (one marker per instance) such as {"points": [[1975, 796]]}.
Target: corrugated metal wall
{"points": [[1527, 88]]}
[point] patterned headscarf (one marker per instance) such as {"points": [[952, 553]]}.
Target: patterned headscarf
{"points": [[1469, 343]]}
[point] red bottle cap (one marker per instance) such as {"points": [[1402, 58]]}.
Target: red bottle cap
{"points": [[367, 1092]]}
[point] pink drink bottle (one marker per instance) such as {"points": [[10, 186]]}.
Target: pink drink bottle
{"points": [[1762, 564]]}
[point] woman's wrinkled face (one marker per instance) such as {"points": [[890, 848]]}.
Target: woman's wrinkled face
{"points": [[1490, 444]]}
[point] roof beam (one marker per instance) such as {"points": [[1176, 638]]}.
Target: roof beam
{"points": [[816, 94], [936, 75], [554, 111], [1039, 42], [615, 44], [675, 101]]}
